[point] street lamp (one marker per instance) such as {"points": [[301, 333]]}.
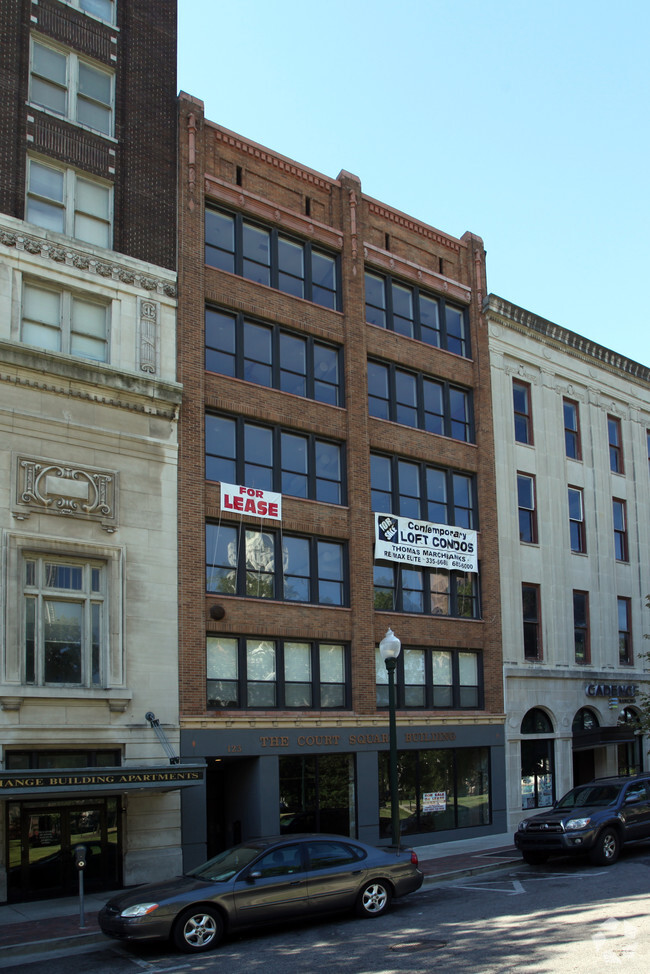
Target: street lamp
{"points": [[389, 648]]}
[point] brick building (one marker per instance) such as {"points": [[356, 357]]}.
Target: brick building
{"points": [[88, 445], [334, 362]]}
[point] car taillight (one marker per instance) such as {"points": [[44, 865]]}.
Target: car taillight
{"points": [[414, 857]]}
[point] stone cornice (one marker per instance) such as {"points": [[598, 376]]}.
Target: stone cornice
{"points": [[510, 315], [61, 251], [314, 724]]}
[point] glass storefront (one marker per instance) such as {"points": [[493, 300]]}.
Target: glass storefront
{"points": [[317, 794]]}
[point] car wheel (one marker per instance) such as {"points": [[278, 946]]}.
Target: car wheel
{"points": [[374, 899], [197, 929], [607, 848], [535, 858]]}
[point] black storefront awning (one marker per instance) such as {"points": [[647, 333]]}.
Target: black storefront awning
{"points": [[55, 783], [601, 736]]}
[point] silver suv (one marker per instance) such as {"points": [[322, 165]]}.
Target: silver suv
{"points": [[596, 818]]}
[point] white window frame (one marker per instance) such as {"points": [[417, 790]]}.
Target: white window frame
{"points": [[74, 218], [72, 86], [22, 547], [79, 5], [70, 338]]}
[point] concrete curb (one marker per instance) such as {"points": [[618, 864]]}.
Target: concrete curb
{"points": [[437, 879]]}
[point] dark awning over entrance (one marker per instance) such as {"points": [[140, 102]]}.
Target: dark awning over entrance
{"points": [[108, 781], [601, 736]]}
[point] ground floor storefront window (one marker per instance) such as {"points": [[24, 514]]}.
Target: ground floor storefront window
{"points": [[438, 790], [317, 794]]}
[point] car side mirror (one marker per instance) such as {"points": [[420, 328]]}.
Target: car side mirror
{"points": [[631, 799], [256, 874]]}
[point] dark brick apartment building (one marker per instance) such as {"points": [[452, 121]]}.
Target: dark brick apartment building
{"points": [[334, 360]]}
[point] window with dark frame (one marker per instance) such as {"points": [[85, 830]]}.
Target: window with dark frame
{"points": [[264, 353], [271, 458], [429, 591], [624, 606], [269, 564], [619, 513], [531, 613], [526, 499], [615, 444], [410, 488], [257, 673], [581, 631], [71, 86], [577, 520], [407, 310], [522, 412], [433, 679], [265, 255], [417, 400], [572, 443]]}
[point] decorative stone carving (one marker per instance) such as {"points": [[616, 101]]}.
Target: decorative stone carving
{"points": [[70, 490], [148, 336]]}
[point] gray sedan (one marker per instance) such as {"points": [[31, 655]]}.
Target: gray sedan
{"points": [[260, 882]]}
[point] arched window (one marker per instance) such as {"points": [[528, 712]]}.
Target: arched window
{"points": [[537, 761], [584, 720]]}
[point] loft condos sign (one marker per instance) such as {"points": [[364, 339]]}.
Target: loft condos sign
{"points": [[249, 500], [425, 544]]}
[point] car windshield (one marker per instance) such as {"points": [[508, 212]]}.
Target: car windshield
{"points": [[227, 864], [590, 795]]}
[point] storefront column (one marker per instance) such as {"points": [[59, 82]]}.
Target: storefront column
{"points": [[368, 796]]}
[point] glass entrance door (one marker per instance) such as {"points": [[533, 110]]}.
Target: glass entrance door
{"points": [[42, 840]]}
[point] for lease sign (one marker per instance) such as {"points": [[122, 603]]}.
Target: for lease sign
{"points": [[425, 544], [249, 500]]}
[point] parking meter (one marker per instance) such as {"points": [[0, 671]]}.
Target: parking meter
{"points": [[80, 856], [80, 862]]}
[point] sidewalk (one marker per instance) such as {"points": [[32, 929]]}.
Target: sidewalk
{"points": [[46, 926]]}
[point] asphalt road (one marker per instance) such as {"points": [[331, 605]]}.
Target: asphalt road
{"points": [[564, 917]]}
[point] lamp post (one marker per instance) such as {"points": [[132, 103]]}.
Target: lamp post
{"points": [[389, 648]]}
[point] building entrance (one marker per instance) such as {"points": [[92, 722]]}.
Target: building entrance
{"points": [[41, 841]]}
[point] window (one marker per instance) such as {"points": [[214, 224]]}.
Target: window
{"points": [[263, 254], [620, 530], [433, 679], [63, 322], [430, 591], [239, 452], [411, 489], [532, 621], [416, 400], [66, 84], [522, 412], [577, 521], [68, 202], [537, 761], [615, 444], [245, 673], [273, 565], [270, 356], [624, 606], [64, 621], [527, 508], [572, 443], [102, 9], [581, 636], [409, 311], [318, 794]]}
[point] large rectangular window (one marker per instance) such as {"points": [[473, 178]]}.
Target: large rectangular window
{"points": [[266, 564], [430, 591], [417, 400], [572, 445], [433, 679], [318, 795], [270, 458], [439, 789], [412, 489], [581, 633], [577, 520], [522, 412], [624, 606], [64, 621], [621, 552], [71, 86], [246, 673], [268, 355], [264, 255], [526, 499], [409, 311], [532, 621], [63, 322], [69, 202], [615, 439], [102, 9]]}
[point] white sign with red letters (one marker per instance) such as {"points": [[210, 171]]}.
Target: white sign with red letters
{"points": [[250, 500]]}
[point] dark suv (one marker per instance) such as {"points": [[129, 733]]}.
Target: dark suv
{"points": [[596, 818]]}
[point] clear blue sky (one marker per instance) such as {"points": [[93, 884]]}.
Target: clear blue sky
{"points": [[523, 121]]}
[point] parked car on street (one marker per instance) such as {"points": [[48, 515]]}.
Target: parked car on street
{"points": [[263, 881], [594, 819]]}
